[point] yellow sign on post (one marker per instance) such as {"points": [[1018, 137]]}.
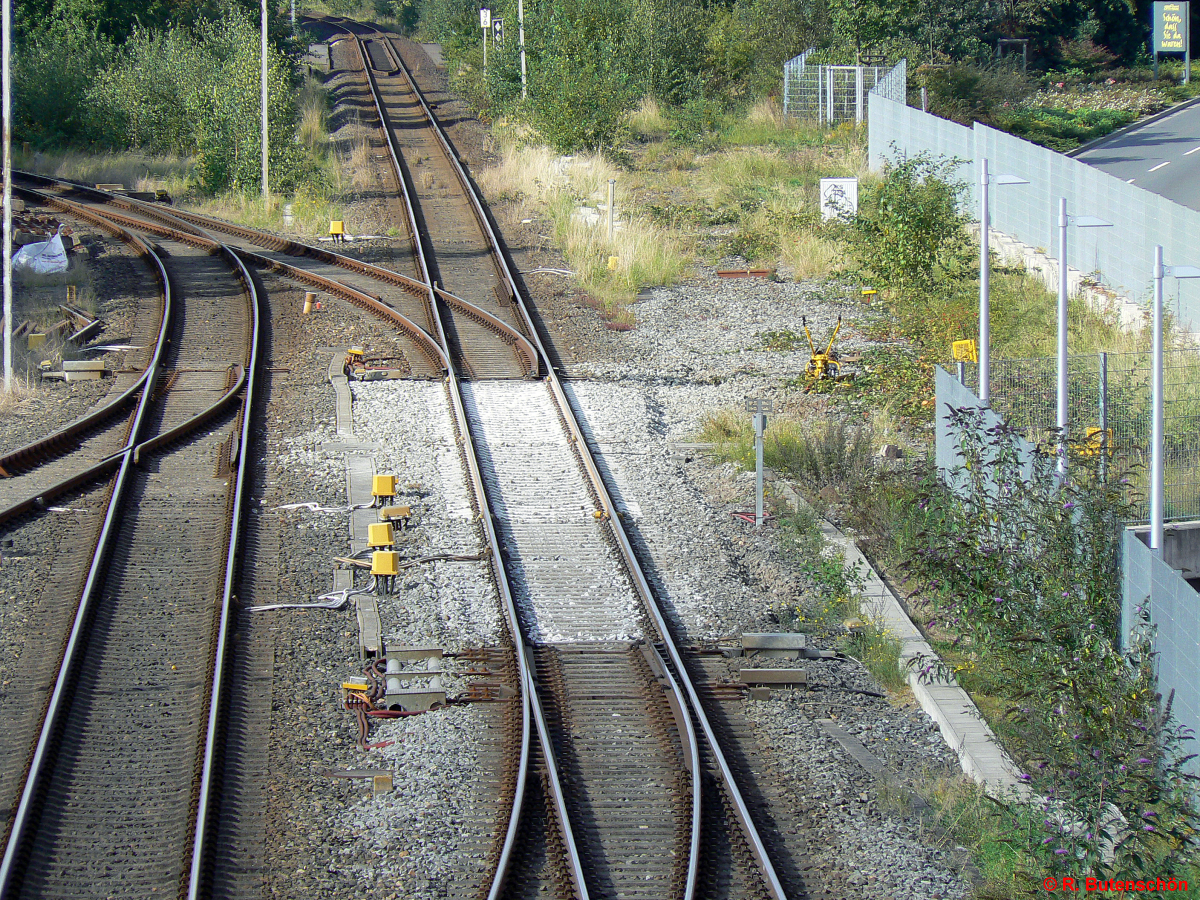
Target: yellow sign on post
{"points": [[1170, 27], [964, 351]]}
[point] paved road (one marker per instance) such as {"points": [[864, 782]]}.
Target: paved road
{"points": [[1163, 156]]}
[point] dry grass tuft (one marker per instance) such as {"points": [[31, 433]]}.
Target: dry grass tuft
{"points": [[648, 120], [810, 255], [134, 170], [533, 179]]}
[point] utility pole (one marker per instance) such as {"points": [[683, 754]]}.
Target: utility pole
{"points": [[7, 112], [1157, 450], [266, 188], [985, 268], [521, 36], [1062, 389]]}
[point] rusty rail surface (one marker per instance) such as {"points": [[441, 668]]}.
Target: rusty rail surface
{"points": [[50, 755]]}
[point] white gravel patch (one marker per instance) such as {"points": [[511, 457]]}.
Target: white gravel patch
{"points": [[571, 586], [450, 603], [695, 573], [422, 831]]}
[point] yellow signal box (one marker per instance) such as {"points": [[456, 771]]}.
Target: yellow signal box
{"points": [[380, 534], [385, 563], [383, 487]]}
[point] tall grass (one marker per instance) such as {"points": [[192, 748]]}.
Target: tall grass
{"points": [[827, 452], [536, 181], [648, 120], [136, 171]]}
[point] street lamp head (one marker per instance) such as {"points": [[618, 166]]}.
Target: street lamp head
{"points": [[1183, 271], [1089, 222], [1008, 179]]}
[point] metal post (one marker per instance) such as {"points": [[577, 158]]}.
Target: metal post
{"points": [[985, 312], [485, 34], [787, 84], [760, 407], [1187, 52], [759, 427], [924, 99], [266, 187], [6, 77], [1156, 396], [1103, 415], [1061, 419], [858, 95], [829, 98], [521, 35], [962, 372], [293, 16], [612, 206]]}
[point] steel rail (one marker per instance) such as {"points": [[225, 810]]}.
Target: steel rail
{"points": [[757, 847], [113, 461], [53, 723], [524, 347], [520, 343], [531, 700], [129, 457], [197, 880], [524, 663], [46, 448]]}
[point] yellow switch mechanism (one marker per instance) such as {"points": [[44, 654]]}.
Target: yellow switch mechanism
{"points": [[380, 534], [385, 563]]}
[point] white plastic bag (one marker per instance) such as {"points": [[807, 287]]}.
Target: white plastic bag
{"points": [[45, 258]]}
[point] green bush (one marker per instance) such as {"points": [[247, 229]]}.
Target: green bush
{"points": [[1022, 567], [1062, 129], [909, 233], [966, 93], [52, 68], [196, 91]]}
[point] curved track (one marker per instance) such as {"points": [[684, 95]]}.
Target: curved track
{"points": [[118, 784]]}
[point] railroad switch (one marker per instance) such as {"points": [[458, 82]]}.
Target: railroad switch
{"points": [[385, 566], [380, 536], [396, 515], [383, 489]]}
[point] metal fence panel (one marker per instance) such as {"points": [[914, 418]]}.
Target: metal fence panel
{"points": [[833, 95], [1024, 394], [1122, 256], [1175, 615]]}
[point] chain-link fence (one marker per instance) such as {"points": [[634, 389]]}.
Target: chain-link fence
{"points": [[1109, 417], [831, 95]]}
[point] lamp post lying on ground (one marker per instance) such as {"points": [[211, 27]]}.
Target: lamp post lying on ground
{"points": [[1079, 222], [985, 266], [1157, 464]]}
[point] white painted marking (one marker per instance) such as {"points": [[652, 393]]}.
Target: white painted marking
{"points": [[1190, 152], [1160, 165]]}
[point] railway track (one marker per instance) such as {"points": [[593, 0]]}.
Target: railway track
{"points": [[119, 772], [571, 585], [617, 727]]}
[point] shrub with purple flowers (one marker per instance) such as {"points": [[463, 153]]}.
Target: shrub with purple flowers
{"points": [[1023, 568]]}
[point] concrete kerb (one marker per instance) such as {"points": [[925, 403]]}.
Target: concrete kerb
{"points": [[1133, 126], [959, 720]]}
